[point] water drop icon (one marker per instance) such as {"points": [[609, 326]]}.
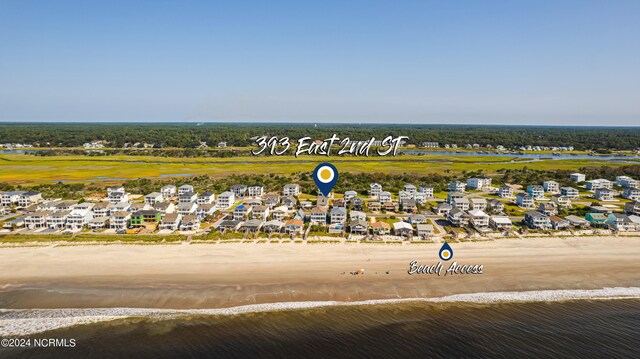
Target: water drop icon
{"points": [[446, 252]]}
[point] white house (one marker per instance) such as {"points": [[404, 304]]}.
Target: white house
{"points": [[457, 186], [505, 192], [536, 191], [384, 196], [291, 190], [120, 220], [26, 199], [478, 218], [578, 177], [500, 223], [153, 197], [318, 215], [239, 190], [479, 183], [570, 192], [255, 190], [206, 198], [190, 223], [427, 190], [338, 215], [78, 218], [626, 182], [631, 193], [604, 194], [461, 203], [478, 204], [187, 197], [170, 222], [226, 199], [537, 220], [374, 190], [168, 191], [185, 208], [524, 200], [185, 188], [241, 212], [598, 183], [551, 186], [117, 194], [411, 189]]}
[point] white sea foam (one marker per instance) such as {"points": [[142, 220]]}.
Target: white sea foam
{"points": [[17, 322]]}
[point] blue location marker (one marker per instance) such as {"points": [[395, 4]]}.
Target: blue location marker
{"points": [[326, 176], [446, 252]]}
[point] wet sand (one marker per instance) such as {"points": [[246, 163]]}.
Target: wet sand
{"points": [[224, 275]]}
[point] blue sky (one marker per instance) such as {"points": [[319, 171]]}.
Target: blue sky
{"points": [[514, 62]]}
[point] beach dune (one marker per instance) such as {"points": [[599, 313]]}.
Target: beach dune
{"points": [[199, 276]]}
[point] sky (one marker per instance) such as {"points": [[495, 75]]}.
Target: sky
{"points": [[462, 62]]}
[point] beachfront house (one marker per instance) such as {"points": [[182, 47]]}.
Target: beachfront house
{"points": [[558, 223], [570, 192], [577, 222], [620, 222], [189, 223], [505, 192], [97, 223], [537, 220], [252, 225], [424, 230], [228, 225], [37, 219], [478, 219], [170, 222], [596, 219], [536, 191], [604, 194], [524, 200], [318, 215], [153, 197], [456, 186], [500, 223], [551, 186], [145, 218], [273, 226], [578, 177], [380, 228], [78, 218], [374, 191], [58, 220], [185, 188], [402, 229], [255, 190], [168, 191], [120, 220], [291, 190], [293, 226], [226, 199], [359, 226]]}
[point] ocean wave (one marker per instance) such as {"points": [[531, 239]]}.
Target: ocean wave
{"points": [[22, 322]]}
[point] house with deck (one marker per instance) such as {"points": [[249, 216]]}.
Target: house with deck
{"points": [[189, 223], [169, 191], [291, 190], [374, 191], [505, 192], [170, 222], [226, 199], [551, 186], [570, 192], [537, 220]]}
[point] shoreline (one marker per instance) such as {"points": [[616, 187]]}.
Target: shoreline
{"points": [[25, 322]]}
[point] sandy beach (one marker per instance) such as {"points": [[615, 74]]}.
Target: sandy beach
{"points": [[199, 276]]}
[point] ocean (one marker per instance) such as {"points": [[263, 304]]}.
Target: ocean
{"points": [[584, 328]]}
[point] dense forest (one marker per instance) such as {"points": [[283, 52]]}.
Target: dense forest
{"points": [[190, 135]]}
